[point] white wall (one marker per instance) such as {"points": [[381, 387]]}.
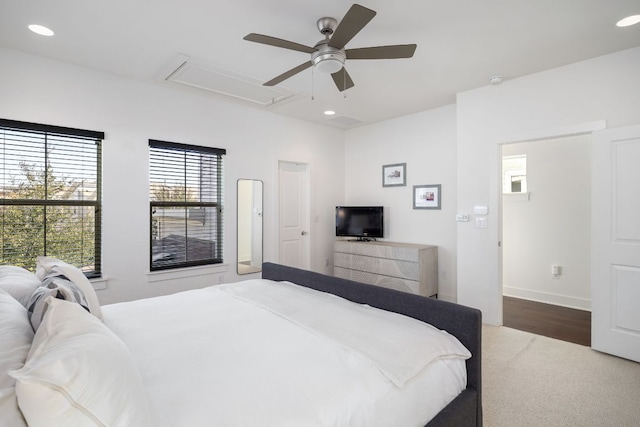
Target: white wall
{"points": [[545, 104], [426, 142], [130, 112], [456, 146], [552, 226]]}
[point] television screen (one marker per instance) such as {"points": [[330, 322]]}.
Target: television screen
{"points": [[360, 221]]}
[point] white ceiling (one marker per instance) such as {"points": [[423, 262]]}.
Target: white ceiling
{"points": [[461, 44]]}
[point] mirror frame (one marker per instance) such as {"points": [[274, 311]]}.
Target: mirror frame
{"points": [[253, 244]]}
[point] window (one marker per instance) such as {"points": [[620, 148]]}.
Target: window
{"points": [[50, 195], [514, 174], [185, 190]]}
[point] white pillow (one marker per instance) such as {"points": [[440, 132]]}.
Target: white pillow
{"points": [[15, 340], [45, 264], [79, 373], [18, 282]]}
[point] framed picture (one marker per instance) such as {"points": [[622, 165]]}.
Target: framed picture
{"points": [[394, 175], [427, 196]]}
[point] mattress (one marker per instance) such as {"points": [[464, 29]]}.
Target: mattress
{"points": [[258, 353]]}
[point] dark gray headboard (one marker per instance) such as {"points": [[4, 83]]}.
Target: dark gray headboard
{"points": [[464, 323]]}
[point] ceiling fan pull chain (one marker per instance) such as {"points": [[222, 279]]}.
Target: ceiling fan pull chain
{"points": [[313, 83], [344, 83]]}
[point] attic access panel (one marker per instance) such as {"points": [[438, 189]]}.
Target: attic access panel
{"points": [[229, 84]]}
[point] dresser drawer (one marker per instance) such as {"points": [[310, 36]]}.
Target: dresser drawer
{"points": [[411, 286], [384, 266]]}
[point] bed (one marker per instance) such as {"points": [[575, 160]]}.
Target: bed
{"points": [[463, 322], [271, 351]]}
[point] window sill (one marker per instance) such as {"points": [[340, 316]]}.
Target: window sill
{"points": [[99, 284], [180, 273]]}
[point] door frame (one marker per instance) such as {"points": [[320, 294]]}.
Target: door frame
{"points": [[540, 135]]}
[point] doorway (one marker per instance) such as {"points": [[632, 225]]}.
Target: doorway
{"points": [[546, 205]]}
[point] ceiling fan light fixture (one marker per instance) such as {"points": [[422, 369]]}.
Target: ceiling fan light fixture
{"points": [[328, 65], [327, 59]]}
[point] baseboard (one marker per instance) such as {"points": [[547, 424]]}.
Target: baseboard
{"points": [[548, 298], [446, 297]]}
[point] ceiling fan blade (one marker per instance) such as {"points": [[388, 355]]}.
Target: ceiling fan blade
{"points": [[355, 19], [382, 52], [284, 76], [273, 41], [342, 79]]}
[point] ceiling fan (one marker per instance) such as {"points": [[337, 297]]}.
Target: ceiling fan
{"points": [[329, 54]]}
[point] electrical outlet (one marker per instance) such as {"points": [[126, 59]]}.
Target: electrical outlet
{"points": [[443, 275]]}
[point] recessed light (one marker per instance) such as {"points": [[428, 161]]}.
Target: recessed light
{"points": [[39, 29], [628, 21], [329, 113]]}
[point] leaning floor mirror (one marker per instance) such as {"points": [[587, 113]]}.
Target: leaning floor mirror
{"points": [[249, 226]]}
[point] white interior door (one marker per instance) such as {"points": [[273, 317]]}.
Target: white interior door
{"points": [[615, 245], [294, 215]]}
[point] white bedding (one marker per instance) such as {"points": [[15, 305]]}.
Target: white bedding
{"points": [[221, 357]]}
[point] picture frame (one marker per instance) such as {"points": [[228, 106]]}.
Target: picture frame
{"points": [[427, 196], [394, 175]]}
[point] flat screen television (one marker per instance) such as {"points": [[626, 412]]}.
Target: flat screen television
{"points": [[362, 222]]}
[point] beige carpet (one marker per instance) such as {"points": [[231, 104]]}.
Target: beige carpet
{"points": [[531, 380]]}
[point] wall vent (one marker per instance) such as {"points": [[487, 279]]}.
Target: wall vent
{"points": [[229, 84]]}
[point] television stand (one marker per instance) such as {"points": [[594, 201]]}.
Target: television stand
{"points": [[364, 239]]}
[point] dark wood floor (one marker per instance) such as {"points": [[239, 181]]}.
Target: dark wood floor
{"points": [[553, 321]]}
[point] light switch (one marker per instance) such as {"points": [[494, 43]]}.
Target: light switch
{"points": [[481, 209]]}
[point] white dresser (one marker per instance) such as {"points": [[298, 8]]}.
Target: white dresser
{"points": [[403, 266]]}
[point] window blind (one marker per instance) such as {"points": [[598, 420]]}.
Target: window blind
{"points": [[186, 203], [50, 195]]}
